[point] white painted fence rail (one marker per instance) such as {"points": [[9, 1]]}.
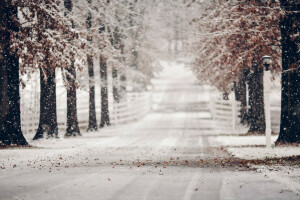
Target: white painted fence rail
{"points": [[130, 109], [226, 114]]}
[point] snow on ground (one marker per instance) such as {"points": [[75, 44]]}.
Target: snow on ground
{"points": [[233, 140], [253, 153], [249, 147], [287, 175], [132, 161]]}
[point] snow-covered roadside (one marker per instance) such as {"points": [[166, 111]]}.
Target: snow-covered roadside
{"points": [[289, 176], [235, 140], [254, 153], [250, 148]]}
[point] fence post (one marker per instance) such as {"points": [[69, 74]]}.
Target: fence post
{"points": [[211, 105], [267, 89], [233, 112]]}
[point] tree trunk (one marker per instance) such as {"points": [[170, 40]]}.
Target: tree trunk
{"points": [[123, 80], [48, 116], [256, 101], [104, 94], [115, 85], [290, 99], [240, 90], [236, 90], [92, 107], [72, 120], [10, 120], [225, 95]]}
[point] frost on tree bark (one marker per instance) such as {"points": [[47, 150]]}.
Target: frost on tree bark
{"points": [[10, 120], [104, 93], [92, 107], [48, 116], [256, 112], [72, 119], [290, 99]]}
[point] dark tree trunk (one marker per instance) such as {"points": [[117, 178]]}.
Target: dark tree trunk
{"points": [[225, 96], [10, 120], [72, 120], [115, 85], [236, 90], [123, 80], [92, 107], [290, 99], [48, 116], [240, 90], [256, 101], [104, 94]]}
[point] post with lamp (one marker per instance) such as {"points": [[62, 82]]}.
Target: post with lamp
{"points": [[267, 60]]}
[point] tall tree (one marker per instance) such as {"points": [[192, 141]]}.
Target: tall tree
{"points": [[10, 121], [240, 89], [116, 42], [92, 107], [105, 120], [290, 79], [72, 119], [256, 114], [48, 115]]}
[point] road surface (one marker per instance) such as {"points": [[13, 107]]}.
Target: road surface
{"points": [[148, 160]]}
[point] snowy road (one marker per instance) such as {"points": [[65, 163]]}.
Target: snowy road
{"points": [[151, 160]]}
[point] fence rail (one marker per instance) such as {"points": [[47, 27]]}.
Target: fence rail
{"points": [[226, 114], [130, 109]]}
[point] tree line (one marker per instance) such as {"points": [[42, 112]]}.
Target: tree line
{"points": [[232, 39], [70, 35]]}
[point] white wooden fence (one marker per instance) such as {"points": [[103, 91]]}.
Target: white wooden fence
{"points": [[130, 109], [226, 114]]}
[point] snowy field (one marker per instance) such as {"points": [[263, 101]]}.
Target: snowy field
{"points": [[153, 158]]}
